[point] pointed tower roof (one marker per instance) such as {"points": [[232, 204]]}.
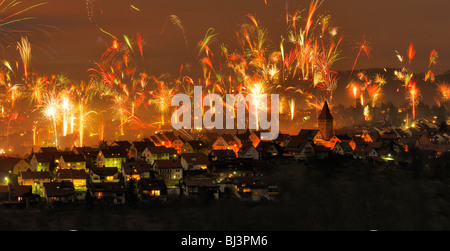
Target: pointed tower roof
{"points": [[325, 114]]}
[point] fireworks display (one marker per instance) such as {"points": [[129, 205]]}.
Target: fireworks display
{"points": [[121, 93]]}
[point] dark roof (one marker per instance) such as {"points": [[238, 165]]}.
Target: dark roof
{"points": [[200, 182], [224, 154], [229, 139], [168, 163], [137, 166], [58, 189], [196, 144], [161, 149], [245, 147], [72, 174], [152, 184], [141, 145], [343, 137], [195, 158], [16, 190], [70, 157], [107, 187], [122, 143], [114, 152], [29, 175], [345, 146], [308, 134], [104, 171], [325, 114]]}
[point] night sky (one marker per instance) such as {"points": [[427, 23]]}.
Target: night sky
{"points": [[73, 41]]}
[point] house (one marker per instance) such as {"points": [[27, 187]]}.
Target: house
{"points": [[371, 136], [112, 156], [108, 192], [137, 149], [248, 151], [342, 148], [269, 149], [125, 145], [104, 174], [62, 192], [226, 141], [153, 153], [255, 187], [169, 170], [42, 161], [312, 135], [34, 179], [222, 155], [14, 193], [195, 146], [90, 154], [300, 147], [195, 187], [194, 161], [283, 139], [208, 138], [79, 180], [136, 170], [21, 166], [49, 149], [152, 189], [73, 161], [321, 152]]}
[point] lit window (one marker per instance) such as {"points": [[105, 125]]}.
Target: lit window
{"points": [[156, 193], [109, 178]]}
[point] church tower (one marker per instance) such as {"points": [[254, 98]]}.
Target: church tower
{"points": [[325, 120]]}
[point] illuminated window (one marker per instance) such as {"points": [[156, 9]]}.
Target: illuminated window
{"points": [[156, 193], [246, 190], [99, 195], [110, 178]]}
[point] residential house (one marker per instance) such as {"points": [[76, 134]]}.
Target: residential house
{"points": [[112, 156], [78, 178], [320, 152], [14, 193], [42, 162], [34, 179], [248, 151], [283, 139], [73, 161], [104, 174], [194, 161], [90, 155], [61, 192], [195, 146], [136, 170], [153, 153], [208, 137], [125, 145], [300, 147], [137, 149], [222, 155], [169, 170], [152, 189], [342, 148], [22, 166], [196, 187], [256, 187], [108, 192], [269, 149]]}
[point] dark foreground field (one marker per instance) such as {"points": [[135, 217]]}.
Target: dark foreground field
{"points": [[325, 195]]}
